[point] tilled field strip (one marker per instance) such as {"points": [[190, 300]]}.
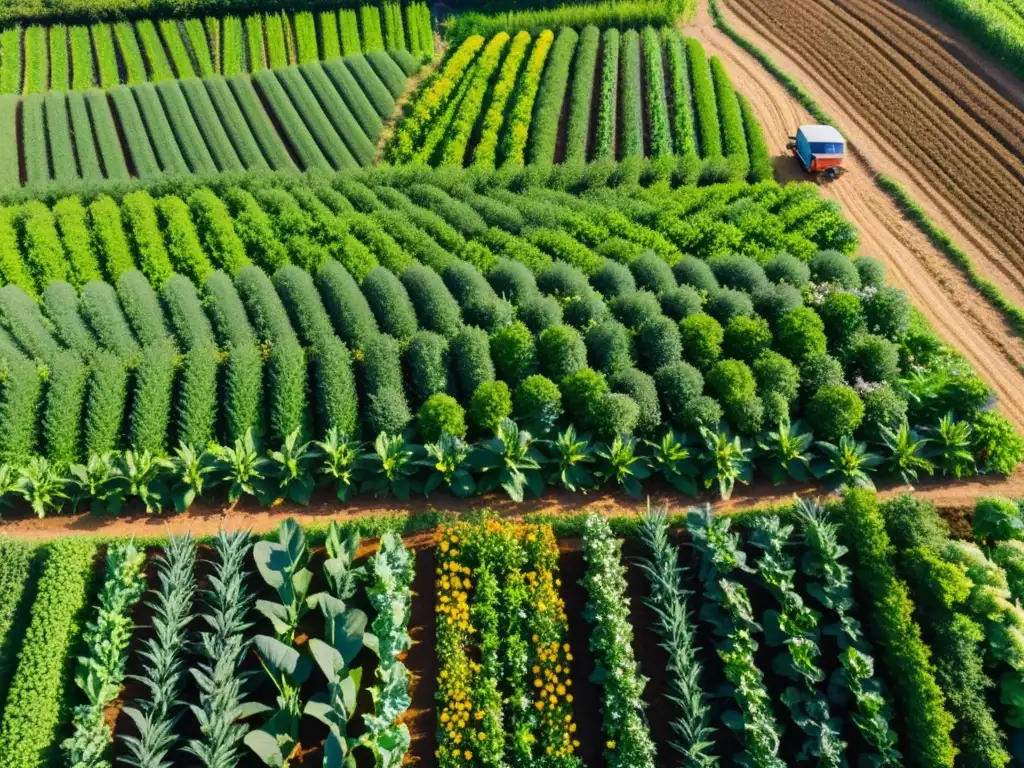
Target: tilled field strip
{"points": [[939, 122]]}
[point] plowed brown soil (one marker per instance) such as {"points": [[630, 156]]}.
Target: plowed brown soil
{"points": [[915, 98], [935, 286]]}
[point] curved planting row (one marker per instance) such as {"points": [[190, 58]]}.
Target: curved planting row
{"points": [[533, 101], [79, 57], [457, 314]]}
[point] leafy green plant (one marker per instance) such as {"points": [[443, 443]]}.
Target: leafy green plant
{"points": [[907, 451], [42, 486], [725, 460], [571, 454], [338, 461], [447, 460], [156, 716], [674, 625], [847, 464], [282, 564], [190, 475], [785, 452], [391, 466], [510, 460], [245, 471], [288, 670], [101, 672], [143, 476], [951, 446], [619, 462], [674, 460], [292, 467]]}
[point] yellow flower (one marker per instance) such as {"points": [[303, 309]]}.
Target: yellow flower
{"points": [[468, 755], [610, 744]]}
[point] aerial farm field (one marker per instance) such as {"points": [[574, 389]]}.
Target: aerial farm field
{"points": [[511, 384]]}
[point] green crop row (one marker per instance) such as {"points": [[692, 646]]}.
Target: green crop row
{"points": [[329, 116], [639, 76], [179, 49]]}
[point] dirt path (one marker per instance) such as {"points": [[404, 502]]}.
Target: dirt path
{"points": [[919, 105], [205, 519], [935, 286]]}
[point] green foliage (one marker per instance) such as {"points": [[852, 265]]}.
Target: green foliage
{"points": [[835, 411], [36, 701], [799, 334], [561, 351], [609, 347], [390, 303], [836, 268], [997, 520], [583, 395], [426, 364], [658, 343], [997, 446], [105, 404], [440, 414], [906, 657], [874, 359], [701, 336], [537, 404], [61, 417], [490, 404], [436, 308]]}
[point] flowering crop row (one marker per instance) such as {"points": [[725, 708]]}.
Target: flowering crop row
{"points": [[486, 150]]}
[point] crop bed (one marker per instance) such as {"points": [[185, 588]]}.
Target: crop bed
{"points": [[574, 97], [491, 641], [315, 116], [37, 58], [942, 122]]}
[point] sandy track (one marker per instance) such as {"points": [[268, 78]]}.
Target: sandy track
{"points": [[935, 286], [921, 105]]}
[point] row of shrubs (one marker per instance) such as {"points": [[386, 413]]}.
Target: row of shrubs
{"points": [[330, 115], [204, 46], [634, 90]]}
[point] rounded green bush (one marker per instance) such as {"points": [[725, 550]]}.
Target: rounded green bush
{"points": [[539, 312], [537, 404], [561, 351], [467, 284], [586, 309], [835, 412], [739, 273], [470, 353], [652, 273], [871, 271], [636, 308], [695, 273], [390, 303], [726, 303], [644, 392], [681, 301], [873, 358], [703, 411], [583, 393], [997, 520], [887, 313], [489, 314], [731, 380], [746, 337], [701, 336], [609, 347], [512, 281], [773, 302], [350, 312], [658, 343], [439, 414], [613, 279], [386, 411], [800, 333], [883, 407], [491, 403], [678, 385], [835, 267], [562, 280], [786, 268], [775, 374], [426, 366], [617, 415], [998, 447], [514, 353], [819, 370], [843, 319]]}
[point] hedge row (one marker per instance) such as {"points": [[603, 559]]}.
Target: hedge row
{"points": [[581, 94], [329, 115], [452, 150], [517, 123], [548, 113]]}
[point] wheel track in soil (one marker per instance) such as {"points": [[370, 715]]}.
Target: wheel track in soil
{"points": [[923, 107], [935, 286]]}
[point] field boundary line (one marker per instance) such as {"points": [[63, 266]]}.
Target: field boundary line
{"points": [[911, 209]]}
